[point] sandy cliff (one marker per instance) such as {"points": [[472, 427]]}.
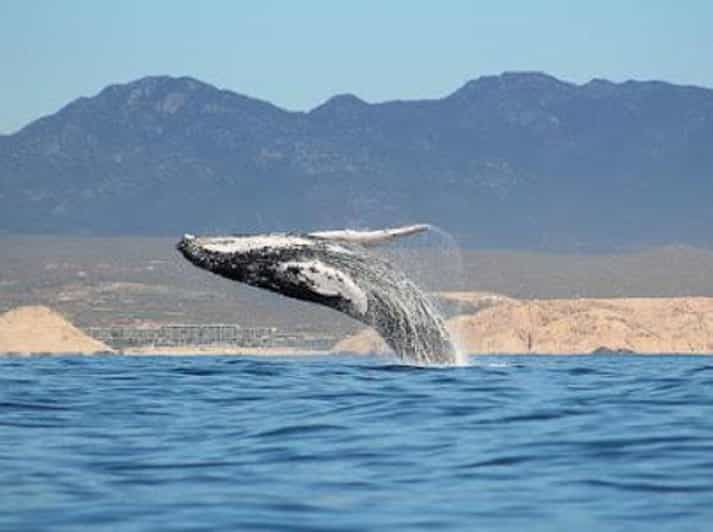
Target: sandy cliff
{"points": [[37, 329], [574, 326]]}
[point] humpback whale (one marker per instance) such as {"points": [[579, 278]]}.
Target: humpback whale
{"points": [[335, 269]]}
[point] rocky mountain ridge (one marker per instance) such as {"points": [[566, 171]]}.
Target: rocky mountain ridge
{"points": [[516, 160]]}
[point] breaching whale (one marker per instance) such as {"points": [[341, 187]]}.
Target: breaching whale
{"points": [[334, 268]]}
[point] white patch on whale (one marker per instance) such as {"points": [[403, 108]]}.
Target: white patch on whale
{"points": [[246, 244], [328, 281]]}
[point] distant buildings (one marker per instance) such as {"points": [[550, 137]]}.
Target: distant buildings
{"points": [[181, 335]]}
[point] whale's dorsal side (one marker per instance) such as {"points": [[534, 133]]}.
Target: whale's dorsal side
{"points": [[370, 238]]}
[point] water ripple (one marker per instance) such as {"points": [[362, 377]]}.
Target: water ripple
{"points": [[349, 443]]}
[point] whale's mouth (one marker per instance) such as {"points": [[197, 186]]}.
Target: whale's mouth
{"points": [[189, 248], [185, 243]]}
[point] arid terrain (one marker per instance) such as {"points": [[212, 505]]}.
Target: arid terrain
{"points": [[37, 329], [572, 326], [502, 326]]}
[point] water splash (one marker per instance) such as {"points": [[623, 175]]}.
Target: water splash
{"points": [[452, 254], [445, 262], [405, 317]]}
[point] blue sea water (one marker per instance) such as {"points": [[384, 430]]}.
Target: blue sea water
{"points": [[338, 443]]}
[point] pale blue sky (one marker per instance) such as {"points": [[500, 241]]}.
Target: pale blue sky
{"points": [[298, 53]]}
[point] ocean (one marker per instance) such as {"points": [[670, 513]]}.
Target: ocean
{"points": [[606, 442]]}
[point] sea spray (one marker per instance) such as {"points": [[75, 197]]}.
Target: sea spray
{"points": [[406, 317], [435, 264]]}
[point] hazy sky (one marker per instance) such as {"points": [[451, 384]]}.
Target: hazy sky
{"points": [[298, 53]]}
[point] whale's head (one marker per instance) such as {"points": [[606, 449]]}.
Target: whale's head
{"points": [[243, 258], [303, 266]]}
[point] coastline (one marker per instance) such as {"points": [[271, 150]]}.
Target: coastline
{"points": [[493, 325]]}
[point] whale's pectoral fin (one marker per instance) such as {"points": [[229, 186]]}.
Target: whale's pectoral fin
{"points": [[318, 278], [371, 238]]}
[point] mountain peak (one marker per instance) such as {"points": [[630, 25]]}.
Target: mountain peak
{"points": [[529, 76], [340, 102], [150, 87], [163, 81], [341, 107], [169, 95], [529, 80]]}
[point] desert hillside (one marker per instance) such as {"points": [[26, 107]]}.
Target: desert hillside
{"points": [[38, 329], [573, 326]]}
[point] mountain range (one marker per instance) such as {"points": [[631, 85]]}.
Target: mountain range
{"points": [[519, 160]]}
